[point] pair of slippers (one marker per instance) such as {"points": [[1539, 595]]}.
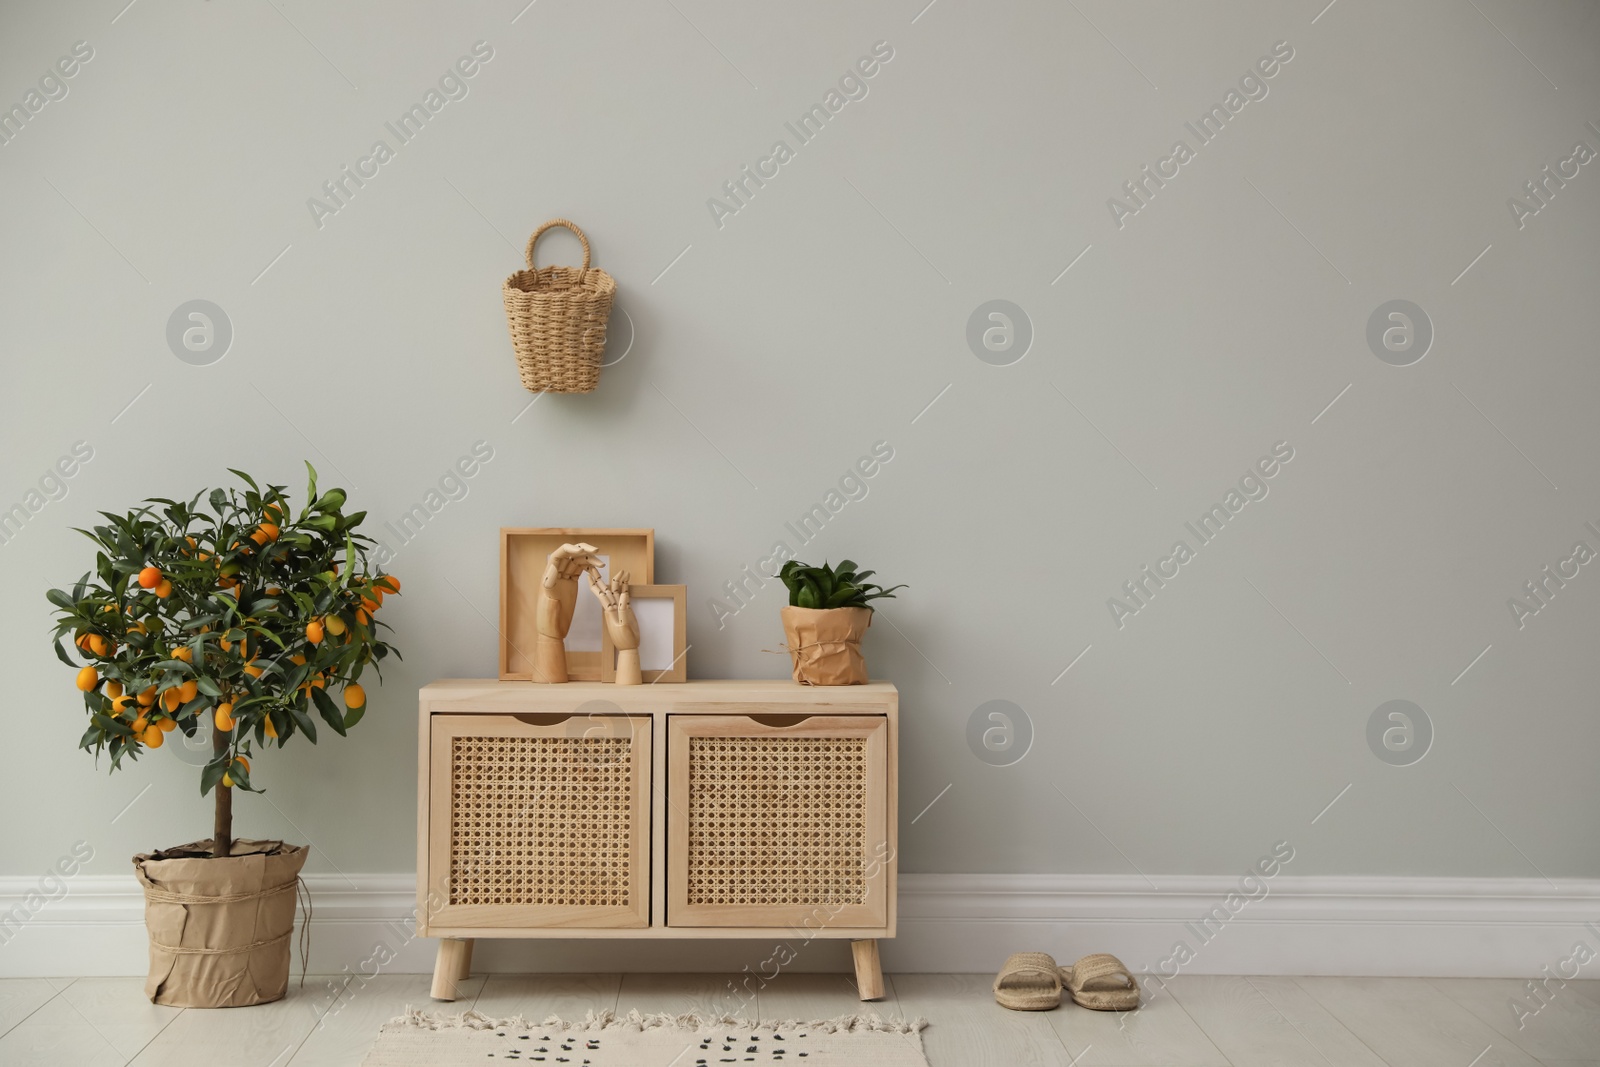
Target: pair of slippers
{"points": [[1031, 981]]}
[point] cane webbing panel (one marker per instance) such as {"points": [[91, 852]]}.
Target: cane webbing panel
{"points": [[777, 820], [541, 820]]}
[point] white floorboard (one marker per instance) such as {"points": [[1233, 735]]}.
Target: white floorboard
{"points": [[21, 997], [808, 997], [970, 1030], [116, 1009], [1566, 1025], [1161, 1033], [267, 1035], [344, 1033], [57, 1034], [1265, 1022], [1407, 1021]]}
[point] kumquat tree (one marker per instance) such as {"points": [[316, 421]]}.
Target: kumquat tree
{"points": [[232, 611]]}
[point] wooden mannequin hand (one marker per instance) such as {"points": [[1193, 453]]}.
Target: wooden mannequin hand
{"points": [[621, 626], [558, 591]]}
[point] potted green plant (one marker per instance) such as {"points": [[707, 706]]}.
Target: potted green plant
{"points": [[229, 613], [828, 613]]}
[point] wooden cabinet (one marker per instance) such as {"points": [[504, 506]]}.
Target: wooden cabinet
{"points": [[701, 809]]}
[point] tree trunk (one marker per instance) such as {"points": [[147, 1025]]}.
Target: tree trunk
{"points": [[222, 825]]}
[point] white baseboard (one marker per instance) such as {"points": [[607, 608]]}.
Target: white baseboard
{"points": [[948, 923]]}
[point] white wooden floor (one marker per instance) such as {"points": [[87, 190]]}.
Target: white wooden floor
{"points": [[1243, 1022]]}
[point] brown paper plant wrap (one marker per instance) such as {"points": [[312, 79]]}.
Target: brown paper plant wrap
{"points": [[825, 644], [557, 317], [827, 615], [220, 927]]}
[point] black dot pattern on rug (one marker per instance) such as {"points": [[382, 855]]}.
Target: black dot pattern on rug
{"points": [[753, 1047]]}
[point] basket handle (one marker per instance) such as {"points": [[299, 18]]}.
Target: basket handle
{"points": [[573, 226]]}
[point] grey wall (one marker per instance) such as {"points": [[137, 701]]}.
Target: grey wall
{"points": [[769, 352]]}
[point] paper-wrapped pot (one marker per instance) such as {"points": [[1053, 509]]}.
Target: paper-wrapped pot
{"points": [[825, 644], [219, 927]]}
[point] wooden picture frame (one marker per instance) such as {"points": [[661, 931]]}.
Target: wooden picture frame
{"points": [[523, 554], [662, 656]]}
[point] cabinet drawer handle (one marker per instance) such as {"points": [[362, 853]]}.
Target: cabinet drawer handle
{"points": [[778, 722], [552, 719]]}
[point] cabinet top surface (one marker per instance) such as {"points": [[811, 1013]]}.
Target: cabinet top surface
{"points": [[758, 689]]}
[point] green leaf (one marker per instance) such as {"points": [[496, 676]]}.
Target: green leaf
{"points": [[353, 716], [843, 595], [251, 482], [332, 500], [304, 721], [328, 710], [61, 600], [61, 654], [825, 583], [213, 774], [107, 724]]}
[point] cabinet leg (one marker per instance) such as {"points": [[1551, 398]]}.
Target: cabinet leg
{"points": [[466, 960], [449, 967], [869, 971]]}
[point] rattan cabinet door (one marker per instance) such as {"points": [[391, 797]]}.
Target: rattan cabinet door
{"points": [[777, 825], [539, 823]]}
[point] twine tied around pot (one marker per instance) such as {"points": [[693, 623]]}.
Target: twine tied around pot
{"points": [[155, 895]]}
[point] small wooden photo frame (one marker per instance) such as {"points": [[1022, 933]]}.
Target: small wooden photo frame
{"points": [[662, 612], [524, 552]]}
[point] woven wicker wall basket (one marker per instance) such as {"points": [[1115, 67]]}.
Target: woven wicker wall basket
{"points": [[558, 319]]}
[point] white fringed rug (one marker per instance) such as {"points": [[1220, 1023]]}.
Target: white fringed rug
{"points": [[604, 1039]]}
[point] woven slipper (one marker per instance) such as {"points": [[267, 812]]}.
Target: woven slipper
{"points": [[1029, 981], [1102, 983]]}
